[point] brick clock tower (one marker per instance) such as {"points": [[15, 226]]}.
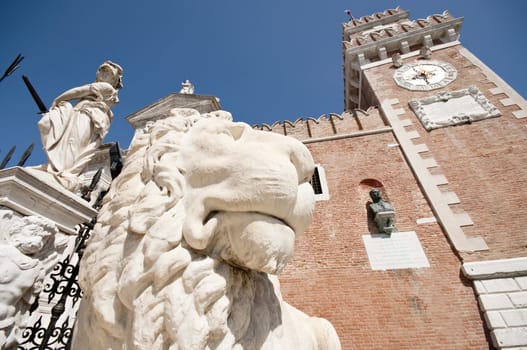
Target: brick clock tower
{"points": [[444, 139]]}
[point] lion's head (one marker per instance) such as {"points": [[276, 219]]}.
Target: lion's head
{"points": [[203, 209]]}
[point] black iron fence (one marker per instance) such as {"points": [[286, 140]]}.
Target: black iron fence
{"points": [[58, 303]]}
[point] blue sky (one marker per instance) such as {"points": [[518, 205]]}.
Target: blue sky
{"points": [[266, 61]]}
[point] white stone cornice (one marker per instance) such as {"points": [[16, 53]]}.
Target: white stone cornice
{"points": [[495, 268], [161, 108], [413, 37], [32, 192]]}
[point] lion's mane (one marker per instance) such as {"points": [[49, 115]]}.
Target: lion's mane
{"points": [[142, 277], [145, 287]]}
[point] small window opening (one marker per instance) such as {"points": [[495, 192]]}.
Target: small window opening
{"points": [[315, 182], [319, 183]]}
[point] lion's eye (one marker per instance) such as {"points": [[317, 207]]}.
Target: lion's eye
{"points": [[237, 130], [234, 131]]}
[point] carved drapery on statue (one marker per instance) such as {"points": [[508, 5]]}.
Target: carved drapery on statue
{"points": [[186, 248], [71, 134]]}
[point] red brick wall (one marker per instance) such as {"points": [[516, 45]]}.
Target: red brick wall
{"points": [[485, 162], [330, 275]]}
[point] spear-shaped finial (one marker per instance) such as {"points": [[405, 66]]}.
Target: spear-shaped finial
{"points": [[7, 157], [26, 155], [41, 106], [12, 67]]}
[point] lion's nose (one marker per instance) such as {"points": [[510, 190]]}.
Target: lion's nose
{"points": [[281, 145], [302, 160]]}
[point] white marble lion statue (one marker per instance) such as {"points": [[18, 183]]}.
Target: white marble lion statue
{"points": [[190, 239]]}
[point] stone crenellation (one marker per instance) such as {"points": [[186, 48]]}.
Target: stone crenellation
{"points": [[373, 28], [377, 38], [388, 14], [356, 121]]}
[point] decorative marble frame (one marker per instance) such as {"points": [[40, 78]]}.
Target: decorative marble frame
{"points": [[450, 71], [453, 107]]}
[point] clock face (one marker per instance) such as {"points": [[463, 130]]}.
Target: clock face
{"points": [[425, 75]]}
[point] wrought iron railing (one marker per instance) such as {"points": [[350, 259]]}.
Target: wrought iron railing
{"points": [[53, 314], [53, 330]]}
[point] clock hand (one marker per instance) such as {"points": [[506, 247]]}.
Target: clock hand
{"points": [[426, 79]]}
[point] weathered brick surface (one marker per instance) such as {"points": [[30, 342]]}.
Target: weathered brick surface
{"points": [[330, 275], [481, 168], [485, 162]]}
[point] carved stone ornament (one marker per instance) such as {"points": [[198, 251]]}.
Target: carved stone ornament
{"points": [[425, 75], [185, 249], [425, 52], [27, 254], [187, 87], [453, 107], [397, 60]]}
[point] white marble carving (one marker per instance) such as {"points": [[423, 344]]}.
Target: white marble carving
{"points": [[453, 107], [71, 134], [425, 52], [397, 60], [184, 253], [187, 87], [27, 254]]}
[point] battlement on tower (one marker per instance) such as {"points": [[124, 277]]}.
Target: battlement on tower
{"points": [[378, 37], [348, 124]]}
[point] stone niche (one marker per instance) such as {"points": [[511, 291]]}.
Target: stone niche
{"points": [[453, 107]]}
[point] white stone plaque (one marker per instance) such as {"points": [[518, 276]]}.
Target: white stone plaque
{"points": [[453, 107], [400, 250]]}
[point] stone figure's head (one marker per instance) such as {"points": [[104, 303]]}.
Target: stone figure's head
{"points": [[375, 195], [247, 193], [31, 233], [224, 189], [198, 195], [244, 193], [111, 73]]}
